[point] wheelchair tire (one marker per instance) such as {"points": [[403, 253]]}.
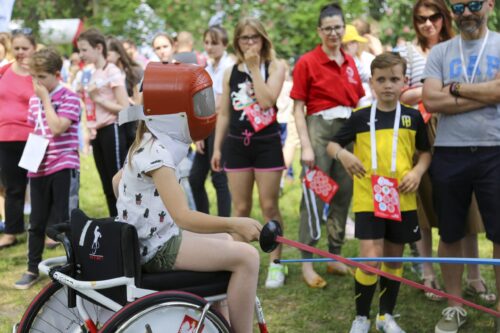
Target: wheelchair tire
{"points": [[167, 311], [48, 312]]}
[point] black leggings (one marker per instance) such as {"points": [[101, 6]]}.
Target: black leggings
{"points": [[197, 177], [14, 180], [109, 148]]}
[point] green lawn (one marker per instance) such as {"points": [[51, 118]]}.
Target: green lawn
{"points": [[294, 308]]}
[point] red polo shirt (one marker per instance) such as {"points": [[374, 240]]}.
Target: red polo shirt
{"points": [[322, 84]]}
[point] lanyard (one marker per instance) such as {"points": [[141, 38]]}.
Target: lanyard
{"points": [[262, 70], [481, 50], [373, 140]]}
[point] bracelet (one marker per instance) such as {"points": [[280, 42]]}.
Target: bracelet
{"points": [[455, 89], [337, 154]]}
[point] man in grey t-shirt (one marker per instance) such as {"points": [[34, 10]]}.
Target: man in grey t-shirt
{"points": [[462, 84]]}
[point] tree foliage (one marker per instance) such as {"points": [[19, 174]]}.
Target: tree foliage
{"points": [[290, 24]]}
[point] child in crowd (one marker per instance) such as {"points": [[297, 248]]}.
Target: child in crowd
{"points": [[172, 236], [386, 137], [55, 112]]}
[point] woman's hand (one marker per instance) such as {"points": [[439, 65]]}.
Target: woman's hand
{"points": [[200, 147]]}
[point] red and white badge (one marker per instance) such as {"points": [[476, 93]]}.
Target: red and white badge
{"points": [[259, 118], [386, 198], [189, 325], [321, 184]]}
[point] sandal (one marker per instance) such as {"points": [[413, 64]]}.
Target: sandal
{"points": [[430, 281], [485, 295]]}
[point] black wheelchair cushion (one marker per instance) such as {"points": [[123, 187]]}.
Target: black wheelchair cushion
{"points": [[203, 284], [104, 249]]}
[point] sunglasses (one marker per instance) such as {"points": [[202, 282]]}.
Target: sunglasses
{"points": [[459, 8], [23, 31], [433, 18]]}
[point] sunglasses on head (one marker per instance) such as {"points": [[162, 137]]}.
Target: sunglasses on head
{"points": [[459, 8], [22, 31], [433, 18]]}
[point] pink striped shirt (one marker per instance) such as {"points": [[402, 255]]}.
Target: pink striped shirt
{"points": [[62, 152]]}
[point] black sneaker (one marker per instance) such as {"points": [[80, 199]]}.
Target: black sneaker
{"points": [[26, 281]]}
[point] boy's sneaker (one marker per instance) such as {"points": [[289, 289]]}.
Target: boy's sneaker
{"points": [[453, 317], [361, 324], [26, 281], [276, 276], [387, 324]]}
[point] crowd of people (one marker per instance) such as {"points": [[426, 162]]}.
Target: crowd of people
{"points": [[411, 137]]}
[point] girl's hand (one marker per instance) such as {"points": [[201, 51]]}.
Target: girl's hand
{"points": [[307, 157], [352, 164], [252, 58], [247, 229], [216, 158]]}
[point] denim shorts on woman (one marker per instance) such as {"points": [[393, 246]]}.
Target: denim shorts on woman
{"points": [[164, 259], [259, 153]]}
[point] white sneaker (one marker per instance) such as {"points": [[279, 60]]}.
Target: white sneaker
{"points": [[361, 324], [275, 276], [452, 318], [388, 324]]}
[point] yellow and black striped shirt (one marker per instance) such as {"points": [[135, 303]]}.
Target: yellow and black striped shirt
{"points": [[412, 136]]}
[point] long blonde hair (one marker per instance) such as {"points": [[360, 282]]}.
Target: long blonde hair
{"points": [[139, 134], [267, 51]]}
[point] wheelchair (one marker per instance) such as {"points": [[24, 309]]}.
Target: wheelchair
{"points": [[99, 287]]}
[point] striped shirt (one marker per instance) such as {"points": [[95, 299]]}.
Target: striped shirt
{"points": [[416, 64], [62, 151]]}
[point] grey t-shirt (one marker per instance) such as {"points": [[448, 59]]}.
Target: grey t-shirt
{"points": [[480, 127]]}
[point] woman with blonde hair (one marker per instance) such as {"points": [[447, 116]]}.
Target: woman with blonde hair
{"points": [[252, 148]]}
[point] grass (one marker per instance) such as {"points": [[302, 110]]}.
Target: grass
{"points": [[294, 308]]}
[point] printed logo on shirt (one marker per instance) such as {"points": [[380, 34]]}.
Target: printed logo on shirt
{"points": [[406, 121], [350, 75]]}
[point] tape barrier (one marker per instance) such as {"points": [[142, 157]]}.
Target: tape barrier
{"points": [[376, 271], [434, 260]]}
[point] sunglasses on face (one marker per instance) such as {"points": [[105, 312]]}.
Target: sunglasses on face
{"points": [[459, 8], [433, 18], [22, 31]]}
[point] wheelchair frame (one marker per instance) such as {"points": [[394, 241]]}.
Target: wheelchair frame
{"points": [[55, 268]]}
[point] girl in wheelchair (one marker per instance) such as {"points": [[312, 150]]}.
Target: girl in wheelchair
{"points": [[178, 109]]}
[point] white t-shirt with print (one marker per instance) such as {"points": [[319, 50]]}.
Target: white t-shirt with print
{"points": [[139, 203]]}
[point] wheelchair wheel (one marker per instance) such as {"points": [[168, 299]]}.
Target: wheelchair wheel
{"points": [[49, 312], [165, 312]]}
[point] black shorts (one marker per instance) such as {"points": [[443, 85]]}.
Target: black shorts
{"points": [[456, 173], [260, 153], [368, 226]]}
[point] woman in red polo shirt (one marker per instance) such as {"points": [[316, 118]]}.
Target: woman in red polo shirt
{"points": [[326, 83]]}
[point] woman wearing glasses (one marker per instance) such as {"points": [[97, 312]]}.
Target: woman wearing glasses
{"points": [[433, 24], [327, 84], [252, 148], [16, 88]]}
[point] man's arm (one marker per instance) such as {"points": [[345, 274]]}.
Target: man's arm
{"points": [[484, 92], [437, 99]]}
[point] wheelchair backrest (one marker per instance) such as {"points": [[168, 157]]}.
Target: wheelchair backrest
{"points": [[104, 249]]}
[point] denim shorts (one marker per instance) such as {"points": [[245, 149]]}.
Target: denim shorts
{"points": [[164, 259]]}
